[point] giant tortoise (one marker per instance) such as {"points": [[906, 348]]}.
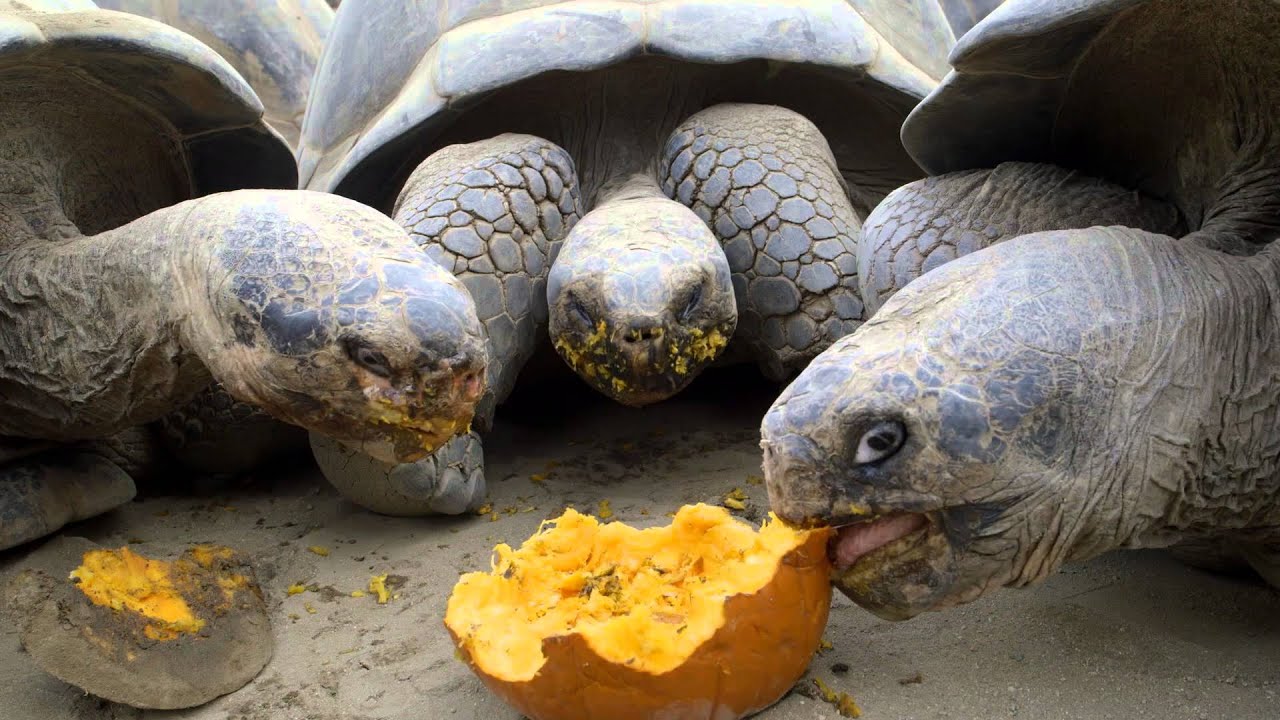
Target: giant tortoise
{"points": [[1104, 374], [275, 46], [134, 270], [718, 151]]}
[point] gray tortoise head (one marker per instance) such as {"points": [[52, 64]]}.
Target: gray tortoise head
{"points": [[1060, 394], [448, 78]]}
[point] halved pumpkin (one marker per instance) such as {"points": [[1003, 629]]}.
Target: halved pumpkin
{"points": [[704, 618], [143, 630]]}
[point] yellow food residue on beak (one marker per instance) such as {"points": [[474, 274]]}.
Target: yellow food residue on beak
{"points": [[580, 358], [703, 347]]}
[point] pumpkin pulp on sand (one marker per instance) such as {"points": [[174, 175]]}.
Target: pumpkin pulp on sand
{"points": [[155, 590], [704, 618]]}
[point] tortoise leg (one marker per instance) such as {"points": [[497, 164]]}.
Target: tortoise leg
{"points": [[41, 493], [215, 434], [765, 181], [495, 213], [932, 221], [450, 481]]}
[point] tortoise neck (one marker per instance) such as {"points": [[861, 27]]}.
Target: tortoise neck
{"points": [[637, 186], [1244, 216], [1208, 412]]}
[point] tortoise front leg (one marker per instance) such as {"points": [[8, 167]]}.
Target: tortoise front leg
{"points": [[449, 482], [215, 434], [932, 221], [765, 181], [495, 213]]}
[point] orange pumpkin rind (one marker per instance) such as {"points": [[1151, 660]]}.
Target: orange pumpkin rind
{"points": [[758, 625]]}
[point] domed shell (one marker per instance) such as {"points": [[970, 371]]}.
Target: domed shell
{"points": [[1173, 99], [1010, 73], [197, 93], [964, 14], [274, 44], [394, 74]]}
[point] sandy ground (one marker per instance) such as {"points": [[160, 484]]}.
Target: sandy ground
{"points": [[1133, 635]]}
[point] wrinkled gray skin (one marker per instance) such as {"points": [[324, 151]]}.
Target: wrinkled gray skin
{"points": [[275, 46], [1072, 388], [316, 308], [706, 186]]}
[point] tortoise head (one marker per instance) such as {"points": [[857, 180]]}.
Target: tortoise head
{"points": [[954, 438], [329, 317], [640, 299]]}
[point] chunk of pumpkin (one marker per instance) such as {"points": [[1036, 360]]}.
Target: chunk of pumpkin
{"points": [[151, 632], [704, 618]]}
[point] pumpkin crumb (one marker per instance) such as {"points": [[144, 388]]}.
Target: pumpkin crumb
{"points": [[841, 701], [320, 550], [606, 511], [357, 593], [736, 499], [311, 610], [296, 589], [378, 586], [485, 509], [538, 477]]}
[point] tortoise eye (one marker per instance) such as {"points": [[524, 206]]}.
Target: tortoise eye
{"points": [[371, 360], [579, 310], [879, 442], [691, 305]]}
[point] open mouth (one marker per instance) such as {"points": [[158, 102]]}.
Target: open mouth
{"points": [[874, 538]]}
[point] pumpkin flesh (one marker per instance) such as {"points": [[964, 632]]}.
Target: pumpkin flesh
{"points": [[706, 617]]}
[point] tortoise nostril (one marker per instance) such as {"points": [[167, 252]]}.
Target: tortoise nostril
{"points": [[471, 385], [637, 334]]}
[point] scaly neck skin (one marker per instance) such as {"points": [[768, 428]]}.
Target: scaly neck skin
{"points": [[93, 333], [637, 186], [1200, 421]]}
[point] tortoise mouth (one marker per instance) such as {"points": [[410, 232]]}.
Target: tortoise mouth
{"points": [[642, 368], [874, 540]]}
